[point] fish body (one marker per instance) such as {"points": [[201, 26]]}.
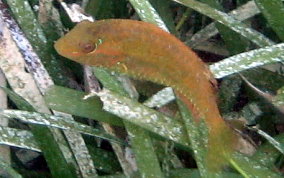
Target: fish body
{"points": [[144, 51]]}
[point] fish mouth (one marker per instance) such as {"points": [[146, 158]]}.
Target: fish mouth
{"points": [[66, 49]]}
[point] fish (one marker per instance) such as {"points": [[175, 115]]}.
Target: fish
{"points": [[144, 51]]}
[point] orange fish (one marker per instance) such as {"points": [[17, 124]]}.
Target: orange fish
{"points": [[144, 51]]}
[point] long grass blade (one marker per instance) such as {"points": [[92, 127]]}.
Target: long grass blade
{"points": [[248, 60], [273, 11], [223, 18]]}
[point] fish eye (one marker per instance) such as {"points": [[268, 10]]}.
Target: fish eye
{"points": [[87, 47]]}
